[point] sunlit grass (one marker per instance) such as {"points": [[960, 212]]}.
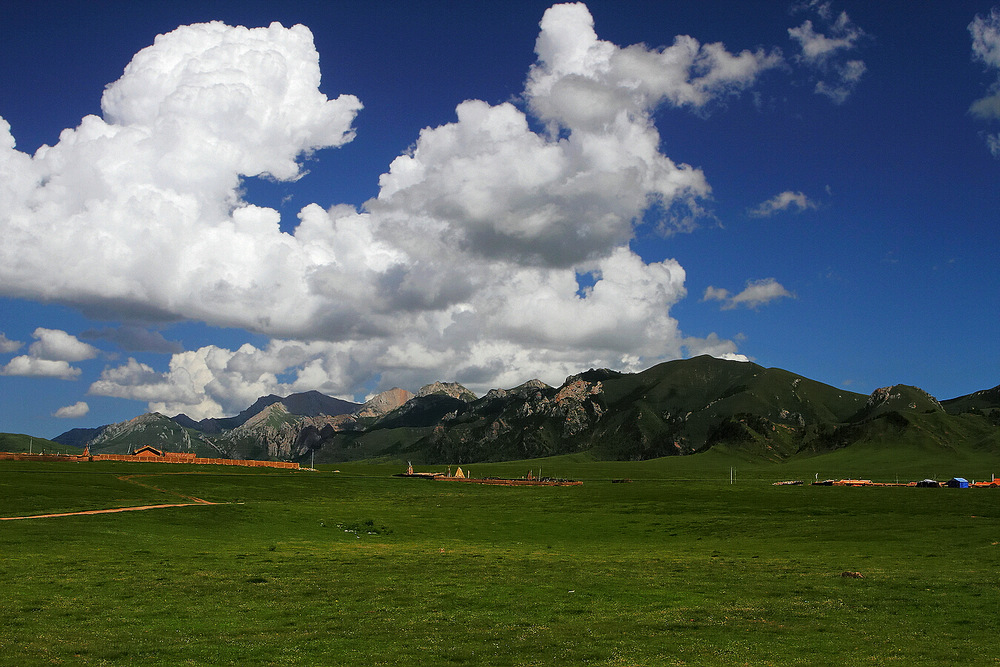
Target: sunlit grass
{"points": [[351, 568]]}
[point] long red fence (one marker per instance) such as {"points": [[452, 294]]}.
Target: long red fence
{"points": [[14, 456]]}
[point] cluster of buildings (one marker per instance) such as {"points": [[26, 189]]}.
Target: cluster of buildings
{"points": [[953, 483], [465, 476]]}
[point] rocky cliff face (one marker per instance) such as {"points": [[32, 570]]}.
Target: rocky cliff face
{"points": [[532, 419], [384, 403]]}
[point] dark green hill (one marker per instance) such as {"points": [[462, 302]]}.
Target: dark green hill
{"points": [[78, 437], [986, 402], [909, 436], [678, 407], [18, 442], [681, 407], [898, 398], [381, 444], [688, 405], [420, 411]]}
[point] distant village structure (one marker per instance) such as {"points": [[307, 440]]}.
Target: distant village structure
{"points": [[466, 476], [953, 483]]}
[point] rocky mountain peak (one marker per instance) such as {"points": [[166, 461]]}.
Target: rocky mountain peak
{"points": [[531, 385], [273, 410], [912, 397], [453, 389], [385, 402]]}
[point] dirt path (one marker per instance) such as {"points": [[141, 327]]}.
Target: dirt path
{"points": [[117, 509], [130, 480]]}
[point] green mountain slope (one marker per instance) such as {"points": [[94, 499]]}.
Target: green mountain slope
{"points": [[151, 429], [685, 406], [742, 410], [986, 402]]}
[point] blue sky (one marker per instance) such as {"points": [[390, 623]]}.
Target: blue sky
{"points": [[467, 194]]}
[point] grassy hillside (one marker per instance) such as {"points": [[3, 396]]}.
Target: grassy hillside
{"points": [[981, 402], [151, 429], [681, 406], [18, 442], [383, 443], [362, 568]]}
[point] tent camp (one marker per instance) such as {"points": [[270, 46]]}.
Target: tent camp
{"points": [[957, 483]]}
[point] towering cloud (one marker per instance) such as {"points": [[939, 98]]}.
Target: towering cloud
{"points": [[468, 264], [139, 213]]}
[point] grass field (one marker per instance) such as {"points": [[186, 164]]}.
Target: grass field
{"points": [[359, 568]]}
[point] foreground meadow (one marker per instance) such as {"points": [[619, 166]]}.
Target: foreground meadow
{"points": [[360, 568]]}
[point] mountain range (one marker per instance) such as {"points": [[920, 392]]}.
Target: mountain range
{"points": [[675, 408]]}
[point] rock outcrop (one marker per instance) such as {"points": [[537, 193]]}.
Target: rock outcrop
{"points": [[384, 403], [453, 389]]}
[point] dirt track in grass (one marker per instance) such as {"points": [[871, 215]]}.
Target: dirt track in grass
{"points": [[124, 478], [116, 509]]}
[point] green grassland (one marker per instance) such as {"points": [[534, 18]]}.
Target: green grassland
{"points": [[356, 567]]}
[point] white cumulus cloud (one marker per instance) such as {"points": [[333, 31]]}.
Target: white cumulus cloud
{"points": [[784, 201], [57, 345], [127, 213], [985, 31], [826, 48], [28, 366], [465, 266], [78, 409], [50, 356], [714, 346], [583, 82], [993, 143], [756, 293], [8, 346]]}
